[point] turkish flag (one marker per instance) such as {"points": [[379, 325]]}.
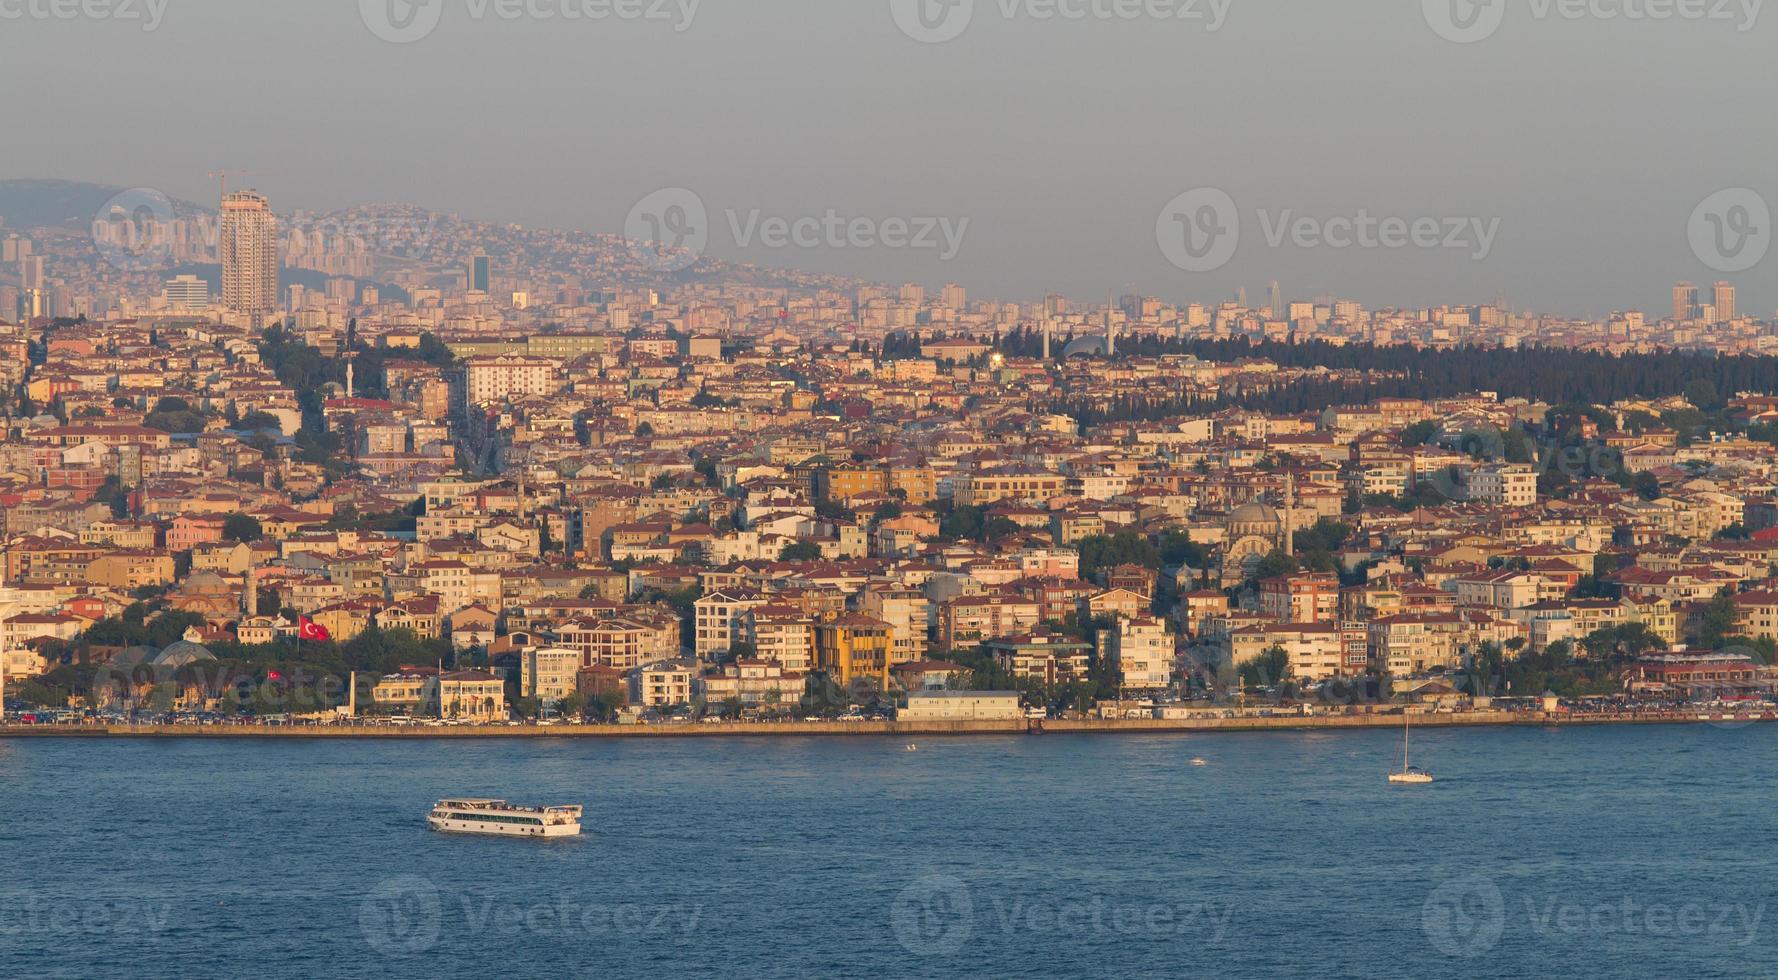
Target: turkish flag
{"points": [[308, 629]]}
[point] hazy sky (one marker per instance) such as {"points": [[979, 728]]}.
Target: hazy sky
{"points": [[1589, 139]]}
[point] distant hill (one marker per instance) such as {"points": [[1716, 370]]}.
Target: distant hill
{"points": [[57, 203]]}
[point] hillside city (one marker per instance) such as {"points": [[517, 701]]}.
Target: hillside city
{"points": [[394, 465]]}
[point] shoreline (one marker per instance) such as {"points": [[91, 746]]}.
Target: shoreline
{"points": [[886, 729]]}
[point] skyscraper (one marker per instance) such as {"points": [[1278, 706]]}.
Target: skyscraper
{"points": [[1685, 301], [249, 248], [481, 273], [1725, 302]]}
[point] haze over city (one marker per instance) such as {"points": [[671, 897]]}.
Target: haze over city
{"points": [[1589, 139]]}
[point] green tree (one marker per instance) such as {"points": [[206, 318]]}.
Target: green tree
{"points": [[1279, 562], [573, 707], [1717, 623], [1099, 554], [242, 528], [1266, 670], [800, 551]]}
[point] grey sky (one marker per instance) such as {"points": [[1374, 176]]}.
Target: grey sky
{"points": [[1591, 140]]}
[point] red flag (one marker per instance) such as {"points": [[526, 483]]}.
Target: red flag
{"points": [[308, 629]]}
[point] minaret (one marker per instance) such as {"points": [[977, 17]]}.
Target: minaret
{"points": [[250, 601], [351, 363], [1290, 513], [1110, 331], [1046, 337]]}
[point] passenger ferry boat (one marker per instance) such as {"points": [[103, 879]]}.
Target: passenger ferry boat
{"points": [[501, 819]]}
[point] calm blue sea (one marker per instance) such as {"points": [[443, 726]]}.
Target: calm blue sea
{"points": [[1625, 852]]}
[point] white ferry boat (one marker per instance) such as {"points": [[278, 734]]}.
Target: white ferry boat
{"points": [[502, 819]]}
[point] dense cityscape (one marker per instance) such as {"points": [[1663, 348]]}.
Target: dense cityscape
{"points": [[393, 467], [896, 489]]}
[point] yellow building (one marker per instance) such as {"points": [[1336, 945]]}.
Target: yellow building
{"points": [[854, 646], [916, 480], [130, 570], [472, 695], [842, 483]]}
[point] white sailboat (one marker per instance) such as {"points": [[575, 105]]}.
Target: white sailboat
{"points": [[1408, 776]]}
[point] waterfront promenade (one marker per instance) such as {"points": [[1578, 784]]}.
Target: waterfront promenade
{"points": [[860, 729]]}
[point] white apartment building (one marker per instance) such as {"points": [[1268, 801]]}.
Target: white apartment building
{"points": [[661, 685], [493, 379], [783, 635], [548, 673], [1141, 650], [718, 620], [910, 615], [1508, 484]]}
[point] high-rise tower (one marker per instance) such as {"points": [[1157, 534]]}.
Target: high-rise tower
{"points": [[1685, 301], [249, 247], [1725, 302]]}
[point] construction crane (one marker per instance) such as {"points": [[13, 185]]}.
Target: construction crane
{"points": [[224, 175]]}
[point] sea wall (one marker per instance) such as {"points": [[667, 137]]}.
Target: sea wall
{"points": [[881, 729]]}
